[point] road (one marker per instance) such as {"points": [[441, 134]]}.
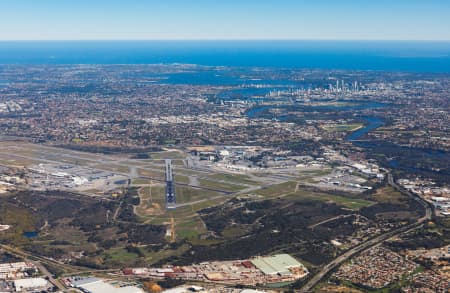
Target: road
{"points": [[49, 276], [41, 261], [38, 262], [371, 242], [330, 220], [422, 202]]}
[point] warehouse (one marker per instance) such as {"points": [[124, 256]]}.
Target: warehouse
{"points": [[280, 264], [94, 285], [30, 284]]}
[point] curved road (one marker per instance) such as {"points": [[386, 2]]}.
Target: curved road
{"points": [[371, 242]]}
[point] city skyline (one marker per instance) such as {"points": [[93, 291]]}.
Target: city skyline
{"points": [[224, 20]]}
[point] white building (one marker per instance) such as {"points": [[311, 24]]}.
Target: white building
{"points": [[94, 285], [30, 284]]}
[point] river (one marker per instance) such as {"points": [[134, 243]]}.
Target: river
{"points": [[372, 123]]}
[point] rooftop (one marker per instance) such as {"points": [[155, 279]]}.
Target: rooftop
{"points": [[276, 264]]}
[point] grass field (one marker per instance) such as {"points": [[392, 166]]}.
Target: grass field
{"points": [[113, 168], [168, 155], [181, 179], [12, 160], [164, 254], [311, 176], [390, 195], [277, 189], [190, 229], [152, 174], [120, 255], [140, 181], [187, 194], [220, 185], [186, 171], [351, 203], [233, 178]]}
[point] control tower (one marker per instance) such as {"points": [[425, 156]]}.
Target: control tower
{"points": [[170, 187]]}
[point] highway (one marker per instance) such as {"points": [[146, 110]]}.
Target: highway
{"points": [[38, 262], [371, 242]]}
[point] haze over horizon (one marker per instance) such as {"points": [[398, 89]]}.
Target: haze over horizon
{"points": [[225, 20]]}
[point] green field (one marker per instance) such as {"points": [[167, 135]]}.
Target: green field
{"points": [[140, 181], [113, 167], [181, 179], [351, 203], [233, 178], [277, 189], [168, 155], [120, 255], [190, 229], [220, 185], [152, 174], [187, 194], [390, 195], [288, 188]]}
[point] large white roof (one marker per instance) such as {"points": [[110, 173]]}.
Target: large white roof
{"points": [[276, 264], [100, 286], [22, 284]]}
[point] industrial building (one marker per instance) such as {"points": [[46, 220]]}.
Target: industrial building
{"points": [[17, 270], [30, 284], [281, 268], [280, 264], [94, 285]]}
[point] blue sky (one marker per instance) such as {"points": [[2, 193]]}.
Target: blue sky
{"points": [[226, 19]]}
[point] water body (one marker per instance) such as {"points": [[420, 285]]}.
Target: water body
{"points": [[209, 77], [403, 158], [438, 158], [30, 234], [422, 154], [3, 83], [361, 55], [372, 123]]}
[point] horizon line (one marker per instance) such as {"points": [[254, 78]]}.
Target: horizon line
{"points": [[226, 40]]}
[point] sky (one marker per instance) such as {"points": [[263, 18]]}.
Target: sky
{"points": [[225, 20]]}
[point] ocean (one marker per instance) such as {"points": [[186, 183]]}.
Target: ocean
{"points": [[433, 57]]}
